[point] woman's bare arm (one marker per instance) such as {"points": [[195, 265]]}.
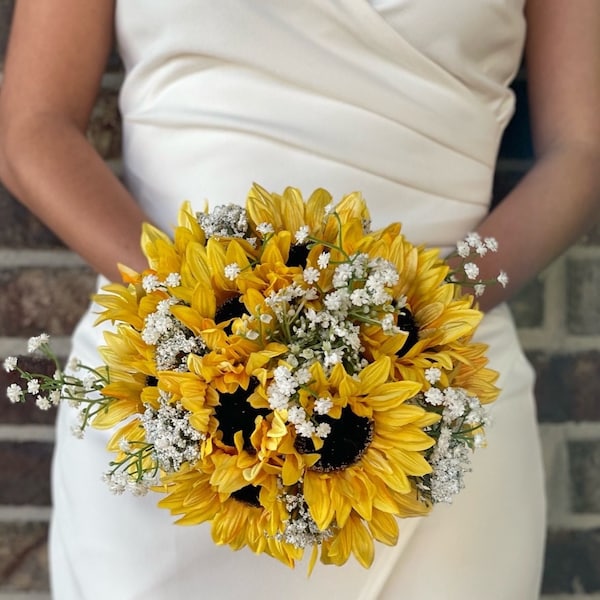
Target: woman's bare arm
{"points": [[56, 56], [559, 199]]}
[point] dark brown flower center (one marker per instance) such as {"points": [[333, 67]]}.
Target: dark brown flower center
{"points": [[406, 322], [298, 255], [232, 308], [235, 413], [345, 445], [248, 495]]}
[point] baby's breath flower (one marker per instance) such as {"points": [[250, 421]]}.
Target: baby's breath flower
{"points": [[433, 375], [471, 270], [14, 393], [33, 386], [473, 239], [264, 228], [502, 279], [434, 396], [302, 233], [323, 406], [73, 364], [43, 403], [323, 260], [463, 249], [479, 289], [54, 397], [491, 244], [150, 283], [36, 342], [173, 280], [10, 363], [231, 271], [311, 275], [323, 430]]}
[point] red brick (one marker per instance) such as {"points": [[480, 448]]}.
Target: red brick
{"points": [[567, 386], [104, 130], [24, 230], [23, 557], [25, 473], [584, 462], [36, 300], [583, 310], [572, 559]]}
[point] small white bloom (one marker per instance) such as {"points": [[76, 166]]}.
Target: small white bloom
{"points": [[10, 364], [73, 364], [264, 228], [34, 343], [302, 234], [323, 430], [323, 406], [43, 403], [463, 249], [479, 289], [173, 280], [329, 209], [302, 376], [77, 431], [296, 415], [434, 396], [266, 318], [14, 393], [88, 382], [305, 429], [502, 279], [150, 283], [471, 270], [33, 386], [491, 244], [323, 260], [232, 271], [388, 324], [311, 275], [54, 397], [473, 239], [433, 375]]}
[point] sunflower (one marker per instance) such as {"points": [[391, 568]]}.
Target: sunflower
{"points": [[368, 461]]}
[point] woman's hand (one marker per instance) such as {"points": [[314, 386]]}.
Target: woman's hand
{"points": [[56, 57], [559, 199]]}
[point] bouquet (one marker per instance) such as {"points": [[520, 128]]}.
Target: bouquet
{"points": [[286, 374]]}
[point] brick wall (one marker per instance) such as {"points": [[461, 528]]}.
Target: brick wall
{"points": [[44, 287]]}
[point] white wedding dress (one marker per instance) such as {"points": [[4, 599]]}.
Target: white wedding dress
{"points": [[405, 100]]}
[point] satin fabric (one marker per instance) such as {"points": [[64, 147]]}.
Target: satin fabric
{"points": [[403, 100]]}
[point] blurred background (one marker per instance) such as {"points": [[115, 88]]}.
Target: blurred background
{"points": [[44, 287]]}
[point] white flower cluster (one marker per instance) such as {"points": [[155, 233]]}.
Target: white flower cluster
{"points": [[475, 244], [461, 430], [119, 482], [168, 429], [173, 341], [300, 530], [225, 220], [330, 335], [34, 386], [449, 468]]}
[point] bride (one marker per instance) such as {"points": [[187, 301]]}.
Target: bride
{"points": [[404, 100]]}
